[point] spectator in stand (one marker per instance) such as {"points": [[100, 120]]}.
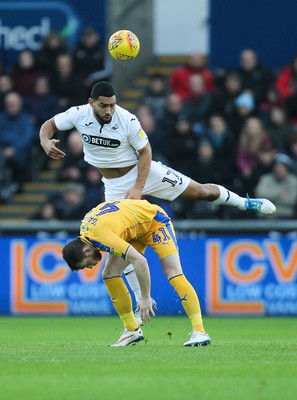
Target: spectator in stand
{"points": [[156, 94], [148, 123], [252, 137], [244, 108], [203, 167], [286, 84], [279, 129], [280, 186], [224, 97], [66, 83], [271, 101], [73, 165], [224, 149], [182, 146], [286, 81], [254, 76], [25, 73], [6, 188], [46, 212], [88, 55], [53, 45], [16, 136], [6, 86], [198, 105], [179, 80], [292, 151], [291, 109], [266, 156], [166, 122], [41, 103], [94, 187], [90, 58], [70, 202], [2, 66]]}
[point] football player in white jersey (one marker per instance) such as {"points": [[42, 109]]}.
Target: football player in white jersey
{"points": [[116, 144]]}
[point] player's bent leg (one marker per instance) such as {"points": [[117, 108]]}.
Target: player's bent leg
{"points": [[216, 194], [219, 195], [121, 299], [191, 305], [189, 299], [190, 302], [113, 267], [122, 302], [198, 191]]}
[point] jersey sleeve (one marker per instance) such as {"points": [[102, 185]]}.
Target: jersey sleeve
{"points": [[66, 120], [137, 137]]}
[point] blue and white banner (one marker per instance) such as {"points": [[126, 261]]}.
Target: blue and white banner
{"points": [[232, 276], [24, 24]]}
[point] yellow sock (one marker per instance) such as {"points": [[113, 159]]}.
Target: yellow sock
{"points": [[189, 299], [122, 301]]}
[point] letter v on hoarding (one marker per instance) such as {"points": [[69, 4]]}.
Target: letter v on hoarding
{"points": [[283, 265]]}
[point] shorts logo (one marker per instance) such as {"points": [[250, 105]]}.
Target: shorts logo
{"points": [[101, 141]]}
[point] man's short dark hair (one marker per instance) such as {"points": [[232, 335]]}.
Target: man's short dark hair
{"points": [[73, 253], [104, 89]]}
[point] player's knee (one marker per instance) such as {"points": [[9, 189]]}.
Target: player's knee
{"points": [[209, 191], [198, 191]]}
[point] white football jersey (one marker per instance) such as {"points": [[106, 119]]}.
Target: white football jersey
{"points": [[112, 145]]}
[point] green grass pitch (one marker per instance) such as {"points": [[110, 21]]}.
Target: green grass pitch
{"points": [[50, 358]]}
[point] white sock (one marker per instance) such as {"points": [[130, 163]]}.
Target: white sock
{"points": [[228, 198], [131, 277]]}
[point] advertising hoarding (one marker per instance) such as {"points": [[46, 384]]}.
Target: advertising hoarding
{"points": [[232, 276]]}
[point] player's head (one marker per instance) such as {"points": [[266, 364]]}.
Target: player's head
{"points": [[103, 101], [79, 255], [104, 89]]}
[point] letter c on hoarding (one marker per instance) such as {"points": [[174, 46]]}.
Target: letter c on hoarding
{"points": [[256, 270], [57, 273]]}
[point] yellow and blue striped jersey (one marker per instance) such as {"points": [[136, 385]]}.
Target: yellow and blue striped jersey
{"points": [[115, 225]]}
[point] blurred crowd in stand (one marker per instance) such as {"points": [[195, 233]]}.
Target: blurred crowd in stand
{"points": [[236, 127], [38, 86]]}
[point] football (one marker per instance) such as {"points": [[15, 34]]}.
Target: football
{"points": [[123, 45]]}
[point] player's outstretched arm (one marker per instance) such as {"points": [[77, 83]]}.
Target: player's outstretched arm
{"points": [[46, 133], [143, 274]]}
